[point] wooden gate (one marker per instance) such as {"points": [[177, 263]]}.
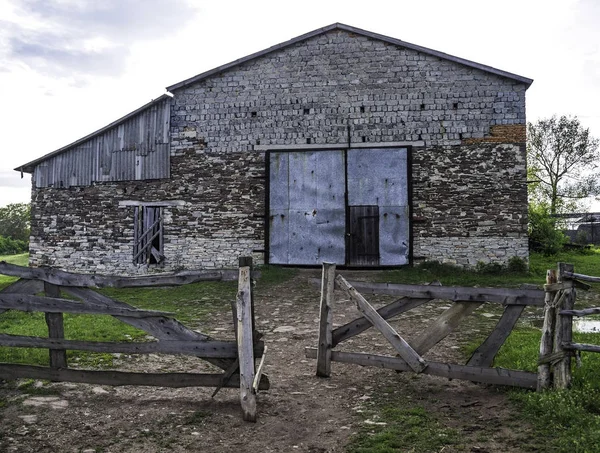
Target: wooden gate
{"points": [[235, 358], [465, 301]]}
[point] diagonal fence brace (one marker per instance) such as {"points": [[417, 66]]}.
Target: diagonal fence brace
{"points": [[410, 356]]}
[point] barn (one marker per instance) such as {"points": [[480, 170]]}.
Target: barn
{"points": [[340, 145]]}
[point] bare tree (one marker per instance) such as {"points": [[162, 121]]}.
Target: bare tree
{"points": [[562, 160]]}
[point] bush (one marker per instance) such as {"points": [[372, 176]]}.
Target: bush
{"points": [[544, 234], [10, 246]]}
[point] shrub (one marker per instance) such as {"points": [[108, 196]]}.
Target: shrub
{"points": [[10, 246], [544, 234]]}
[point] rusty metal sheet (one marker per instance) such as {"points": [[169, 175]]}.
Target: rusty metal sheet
{"points": [[302, 232], [331, 230], [393, 235]]}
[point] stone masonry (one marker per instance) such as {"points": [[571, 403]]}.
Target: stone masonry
{"points": [[468, 164]]}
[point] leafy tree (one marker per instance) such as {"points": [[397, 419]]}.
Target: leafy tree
{"points": [[14, 221], [562, 158]]}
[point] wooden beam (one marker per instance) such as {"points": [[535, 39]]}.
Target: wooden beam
{"points": [[495, 376], [547, 339], [62, 278], [583, 277], [159, 327], [443, 326], [54, 321], [585, 312], [259, 371], [325, 320], [414, 360], [201, 349], [485, 353], [504, 296], [361, 324], [581, 347], [244, 341], [118, 378], [23, 286], [25, 302]]}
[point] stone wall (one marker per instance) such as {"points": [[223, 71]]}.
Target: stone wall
{"points": [[84, 228], [469, 193], [309, 92]]}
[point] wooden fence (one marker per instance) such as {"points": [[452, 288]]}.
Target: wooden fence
{"points": [[465, 301], [557, 347], [235, 358]]}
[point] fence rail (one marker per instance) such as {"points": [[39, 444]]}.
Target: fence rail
{"points": [[235, 358]]}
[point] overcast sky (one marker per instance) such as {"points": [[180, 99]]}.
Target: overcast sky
{"points": [[69, 67]]}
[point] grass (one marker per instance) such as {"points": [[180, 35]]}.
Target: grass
{"points": [[391, 424], [585, 262], [20, 260]]}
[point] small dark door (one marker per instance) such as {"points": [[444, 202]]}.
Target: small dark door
{"points": [[363, 236]]}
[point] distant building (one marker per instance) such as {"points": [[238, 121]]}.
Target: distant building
{"points": [[339, 145]]}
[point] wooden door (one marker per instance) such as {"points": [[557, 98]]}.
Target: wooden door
{"points": [[363, 236]]}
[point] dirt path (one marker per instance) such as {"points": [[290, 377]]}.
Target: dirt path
{"points": [[301, 413]]}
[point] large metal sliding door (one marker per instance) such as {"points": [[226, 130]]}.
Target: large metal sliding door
{"points": [[378, 178], [307, 213], [312, 219]]}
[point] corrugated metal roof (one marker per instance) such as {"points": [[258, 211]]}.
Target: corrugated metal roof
{"points": [[358, 31]]}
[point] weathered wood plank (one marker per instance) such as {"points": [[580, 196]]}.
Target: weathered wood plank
{"points": [[62, 278], [544, 375], [585, 312], [443, 326], [414, 360], [563, 331], [495, 376], [485, 353], [325, 320], [24, 286], [118, 378], [201, 349], [259, 371], [585, 278], [25, 302], [244, 340], [54, 321], [159, 327], [581, 347], [506, 296], [361, 324]]}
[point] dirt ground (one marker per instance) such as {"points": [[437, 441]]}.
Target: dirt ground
{"points": [[300, 413]]}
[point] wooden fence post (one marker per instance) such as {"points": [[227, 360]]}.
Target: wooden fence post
{"points": [[544, 375], [563, 332], [56, 329], [325, 320], [245, 339]]}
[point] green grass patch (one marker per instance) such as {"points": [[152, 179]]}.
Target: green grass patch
{"points": [[585, 262], [20, 260], [564, 421], [274, 275], [388, 427]]}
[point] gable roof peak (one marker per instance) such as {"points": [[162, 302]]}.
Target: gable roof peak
{"points": [[358, 31]]}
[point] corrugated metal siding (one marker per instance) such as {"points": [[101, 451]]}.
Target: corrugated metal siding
{"points": [[136, 149]]}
